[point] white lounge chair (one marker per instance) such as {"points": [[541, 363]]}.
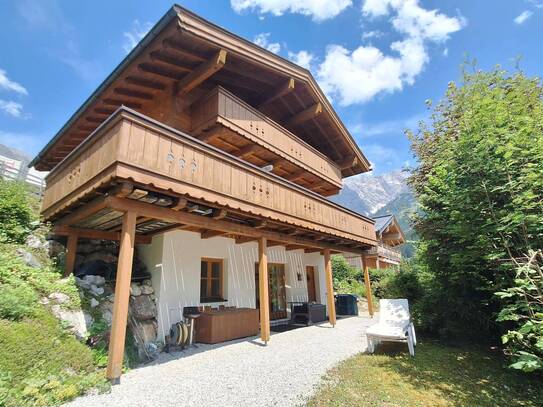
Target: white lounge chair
{"points": [[394, 325]]}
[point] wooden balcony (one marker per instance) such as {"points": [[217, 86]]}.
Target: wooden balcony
{"points": [[385, 252], [225, 121], [172, 168]]}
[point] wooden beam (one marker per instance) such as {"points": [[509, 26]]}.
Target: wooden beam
{"points": [[208, 234], [205, 222], [83, 212], [166, 59], [119, 102], [329, 287], [200, 74], [283, 90], [367, 283], [144, 83], [71, 250], [246, 150], [347, 162], [122, 190], [133, 93], [313, 250], [169, 43], [263, 290], [122, 294], [180, 204], [307, 114], [160, 71], [241, 240], [95, 234], [219, 213], [289, 247], [299, 173]]}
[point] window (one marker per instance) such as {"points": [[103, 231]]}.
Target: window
{"points": [[211, 277]]}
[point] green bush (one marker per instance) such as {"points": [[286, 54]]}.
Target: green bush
{"points": [[17, 212], [347, 279], [42, 365], [479, 183], [17, 302]]}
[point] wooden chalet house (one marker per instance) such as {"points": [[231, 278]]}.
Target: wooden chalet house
{"points": [[215, 156], [389, 236]]}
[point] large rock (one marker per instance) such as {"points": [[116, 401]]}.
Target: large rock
{"points": [[135, 289], [95, 280], [96, 268], [55, 248], [85, 248], [146, 289], [28, 258], [102, 256], [145, 331], [75, 320], [142, 307], [96, 290], [59, 298], [34, 242]]}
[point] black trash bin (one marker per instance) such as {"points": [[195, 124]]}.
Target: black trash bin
{"points": [[346, 304]]}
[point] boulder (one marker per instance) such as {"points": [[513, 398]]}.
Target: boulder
{"points": [[35, 242], [95, 280], [94, 303], [147, 282], [75, 320], [54, 248], [102, 256], [59, 298], [81, 283], [145, 330], [85, 248], [28, 258], [142, 308], [147, 289], [135, 289], [96, 290]]}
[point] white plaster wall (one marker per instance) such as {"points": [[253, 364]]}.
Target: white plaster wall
{"points": [[174, 261]]}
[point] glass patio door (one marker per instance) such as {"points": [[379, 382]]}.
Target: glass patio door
{"points": [[276, 290]]}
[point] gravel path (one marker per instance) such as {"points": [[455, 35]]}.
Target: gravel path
{"points": [[240, 373]]}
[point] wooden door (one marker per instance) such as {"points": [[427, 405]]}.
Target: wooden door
{"points": [[311, 287], [276, 290]]}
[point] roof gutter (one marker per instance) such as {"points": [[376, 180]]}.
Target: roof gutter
{"points": [[149, 37]]}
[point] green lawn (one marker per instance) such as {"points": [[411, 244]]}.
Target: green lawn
{"points": [[438, 376]]}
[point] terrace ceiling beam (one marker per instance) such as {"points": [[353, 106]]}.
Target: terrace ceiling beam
{"points": [[296, 175], [133, 93], [161, 72], [208, 234], [204, 222], [307, 114], [96, 234], [201, 73], [170, 44], [347, 162], [283, 90], [156, 56]]}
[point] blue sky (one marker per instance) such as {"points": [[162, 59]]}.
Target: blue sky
{"points": [[378, 60]]}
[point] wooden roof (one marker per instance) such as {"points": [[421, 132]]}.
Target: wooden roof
{"points": [[184, 56], [388, 230]]}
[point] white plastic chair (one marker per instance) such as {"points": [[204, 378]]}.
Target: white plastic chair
{"points": [[394, 325]]}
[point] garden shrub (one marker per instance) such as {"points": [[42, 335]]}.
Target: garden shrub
{"points": [[17, 212], [479, 184], [524, 313], [347, 279]]}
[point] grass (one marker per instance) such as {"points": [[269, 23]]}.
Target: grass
{"points": [[439, 375]]}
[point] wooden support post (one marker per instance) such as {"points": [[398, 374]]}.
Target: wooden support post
{"points": [[263, 290], [122, 294], [368, 286], [329, 287], [71, 249]]}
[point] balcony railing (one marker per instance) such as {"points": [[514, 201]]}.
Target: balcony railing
{"points": [[222, 107], [134, 147], [386, 252]]}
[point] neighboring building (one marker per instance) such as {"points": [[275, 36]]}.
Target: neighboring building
{"points": [[214, 156], [390, 236]]}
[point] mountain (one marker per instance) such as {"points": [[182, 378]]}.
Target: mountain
{"points": [[375, 195], [368, 193], [14, 154]]}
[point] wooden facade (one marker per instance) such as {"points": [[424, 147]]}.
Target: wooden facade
{"points": [[389, 235], [200, 130]]}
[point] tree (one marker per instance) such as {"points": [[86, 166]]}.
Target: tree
{"points": [[479, 183]]}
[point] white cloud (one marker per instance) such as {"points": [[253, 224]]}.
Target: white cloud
{"points": [[387, 128], [11, 108], [372, 34], [263, 40], [8, 84], [302, 58], [135, 34], [359, 75], [446, 52], [319, 10], [522, 17]]}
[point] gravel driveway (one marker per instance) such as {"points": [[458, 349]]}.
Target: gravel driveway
{"points": [[240, 373]]}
